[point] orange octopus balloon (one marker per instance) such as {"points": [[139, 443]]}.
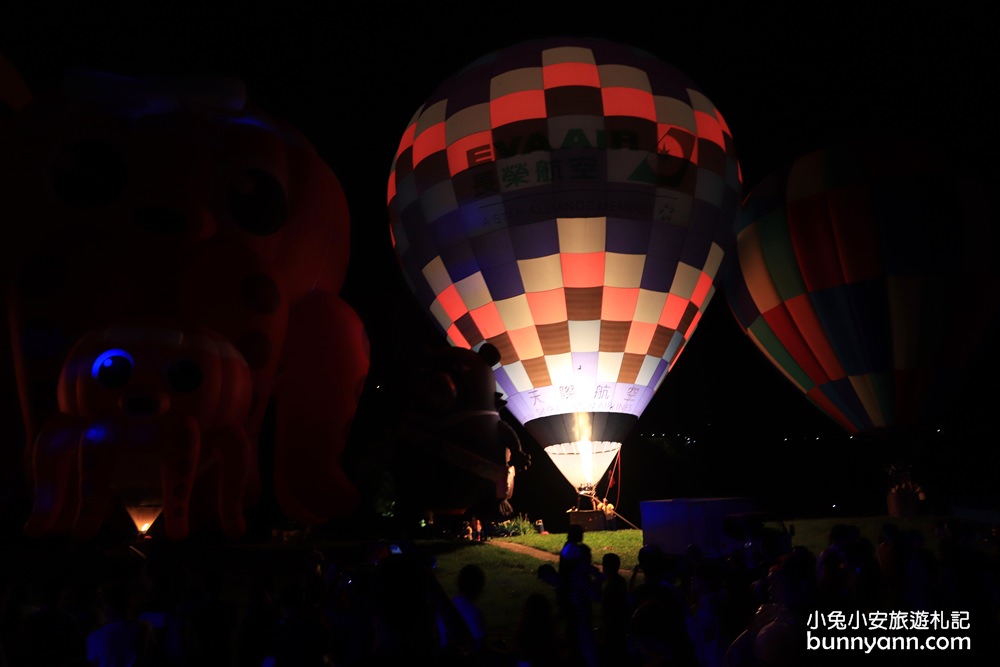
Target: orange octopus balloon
{"points": [[173, 201]]}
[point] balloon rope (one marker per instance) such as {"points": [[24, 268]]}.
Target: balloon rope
{"points": [[614, 470], [618, 461], [617, 469], [625, 520]]}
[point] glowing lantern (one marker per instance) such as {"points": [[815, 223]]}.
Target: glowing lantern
{"points": [[569, 201]]}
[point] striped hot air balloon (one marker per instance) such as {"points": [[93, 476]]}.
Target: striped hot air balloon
{"points": [[569, 201], [867, 275]]}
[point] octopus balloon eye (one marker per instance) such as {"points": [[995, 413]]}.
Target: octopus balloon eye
{"points": [[183, 375], [88, 174], [113, 368], [257, 202]]}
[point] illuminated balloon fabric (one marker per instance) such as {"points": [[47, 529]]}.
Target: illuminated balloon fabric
{"points": [[176, 200], [145, 414], [570, 201], [867, 275], [144, 516]]}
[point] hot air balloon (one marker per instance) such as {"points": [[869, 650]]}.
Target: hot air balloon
{"points": [[175, 208], [867, 275], [569, 201], [143, 515]]}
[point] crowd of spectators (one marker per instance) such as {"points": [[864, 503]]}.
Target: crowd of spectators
{"points": [[174, 606]]}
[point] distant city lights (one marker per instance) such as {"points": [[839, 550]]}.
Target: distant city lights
{"points": [[683, 439]]}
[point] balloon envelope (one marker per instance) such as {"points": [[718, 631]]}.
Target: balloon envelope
{"points": [[867, 275], [570, 201]]}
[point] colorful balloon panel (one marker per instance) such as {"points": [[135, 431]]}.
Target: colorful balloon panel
{"points": [[569, 201], [865, 275]]}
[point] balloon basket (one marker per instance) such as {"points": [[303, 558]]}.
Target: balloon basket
{"points": [[591, 520], [902, 503]]}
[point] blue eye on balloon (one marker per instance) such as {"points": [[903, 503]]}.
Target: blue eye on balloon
{"points": [[112, 368], [96, 433]]}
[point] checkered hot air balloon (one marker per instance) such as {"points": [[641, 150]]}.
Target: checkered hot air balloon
{"points": [[866, 273], [569, 201]]}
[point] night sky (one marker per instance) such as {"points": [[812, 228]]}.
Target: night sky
{"points": [[788, 80]]}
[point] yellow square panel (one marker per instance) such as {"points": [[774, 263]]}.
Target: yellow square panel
{"points": [[621, 270], [541, 274], [515, 312], [581, 234]]}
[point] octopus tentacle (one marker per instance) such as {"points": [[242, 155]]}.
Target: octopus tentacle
{"points": [[96, 452], [232, 447], [316, 397], [178, 468], [54, 466]]}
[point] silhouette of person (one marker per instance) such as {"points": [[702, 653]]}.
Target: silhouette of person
{"points": [[657, 637], [407, 610], [536, 639], [123, 640], [658, 624], [705, 604], [569, 555], [614, 612], [548, 574], [299, 636], [51, 635], [471, 582], [576, 593], [775, 633]]}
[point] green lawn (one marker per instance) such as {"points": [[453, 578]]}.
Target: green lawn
{"points": [[809, 533], [511, 577]]}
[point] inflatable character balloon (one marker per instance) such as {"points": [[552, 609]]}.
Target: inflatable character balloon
{"points": [[454, 453], [174, 214], [142, 413]]}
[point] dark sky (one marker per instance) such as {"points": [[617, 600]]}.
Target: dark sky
{"points": [[788, 78]]}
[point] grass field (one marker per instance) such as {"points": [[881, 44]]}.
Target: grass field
{"points": [[511, 577]]}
